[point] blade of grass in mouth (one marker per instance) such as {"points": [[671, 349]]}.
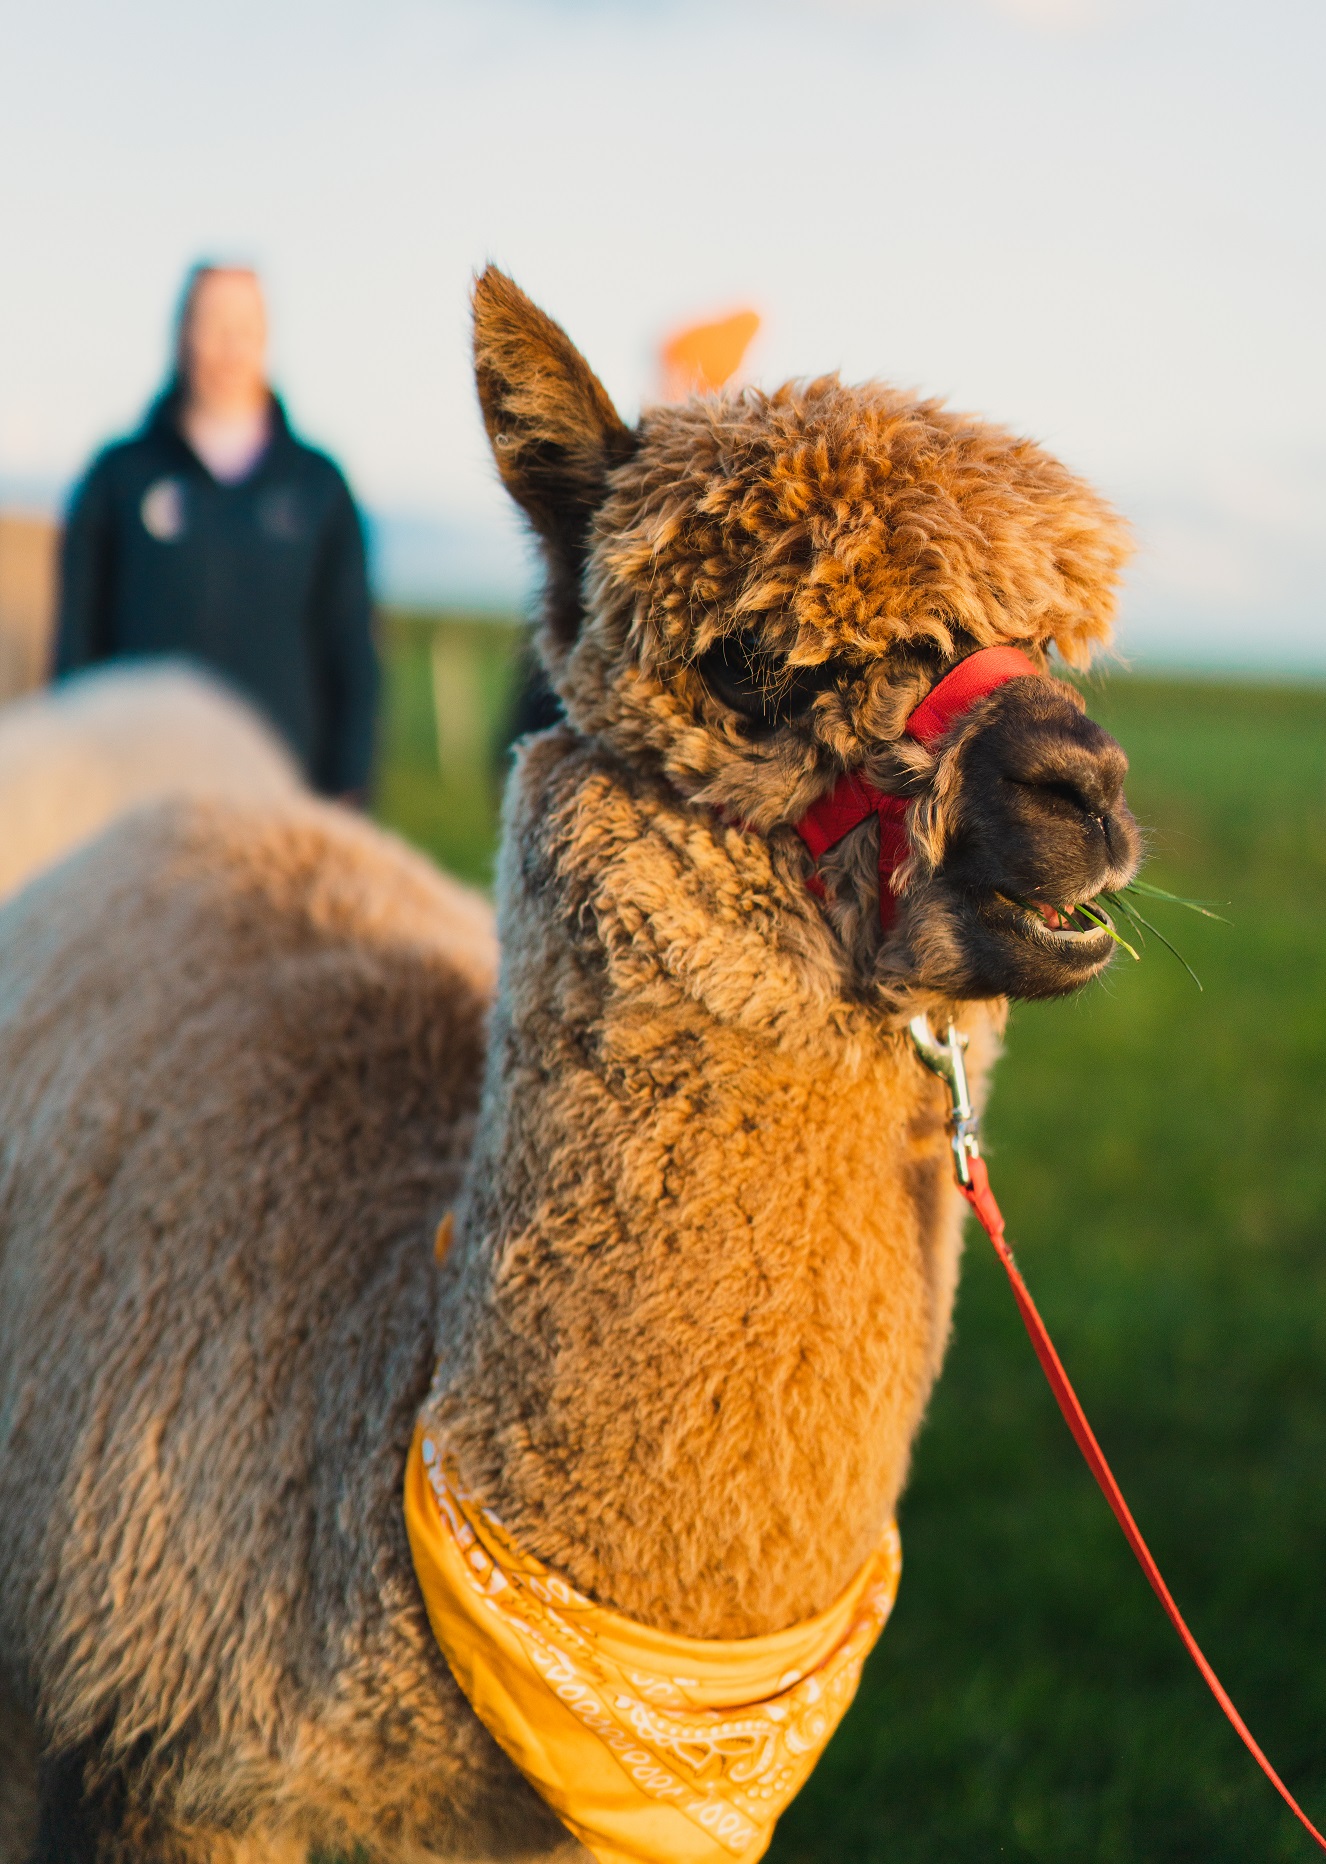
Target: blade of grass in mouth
{"points": [[1173, 899], [1132, 913], [1102, 924], [1105, 926], [1122, 907]]}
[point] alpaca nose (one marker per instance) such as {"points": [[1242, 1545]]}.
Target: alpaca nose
{"points": [[1064, 776], [1042, 812], [1073, 764]]}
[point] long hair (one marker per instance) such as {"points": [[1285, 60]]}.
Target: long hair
{"points": [[172, 389]]}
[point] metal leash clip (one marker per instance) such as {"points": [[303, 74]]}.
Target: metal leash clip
{"points": [[945, 1059]]}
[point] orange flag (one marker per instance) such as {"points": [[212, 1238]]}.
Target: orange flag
{"points": [[700, 358]]}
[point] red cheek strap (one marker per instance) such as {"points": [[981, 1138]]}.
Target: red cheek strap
{"points": [[852, 799]]}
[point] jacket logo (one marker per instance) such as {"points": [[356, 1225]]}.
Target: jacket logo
{"points": [[280, 516], [162, 511]]}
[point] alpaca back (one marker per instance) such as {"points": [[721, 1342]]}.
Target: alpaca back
{"points": [[76, 755], [239, 1060]]}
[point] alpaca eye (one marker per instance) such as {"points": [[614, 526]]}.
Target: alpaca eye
{"points": [[759, 686]]}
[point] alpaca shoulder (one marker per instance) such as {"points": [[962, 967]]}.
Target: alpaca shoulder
{"points": [[75, 755], [241, 881], [240, 1054]]}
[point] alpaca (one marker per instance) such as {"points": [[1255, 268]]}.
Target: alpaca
{"points": [[705, 1235], [76, 755]]}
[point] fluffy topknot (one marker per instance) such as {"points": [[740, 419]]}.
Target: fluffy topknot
{"points": [[840, 518]]}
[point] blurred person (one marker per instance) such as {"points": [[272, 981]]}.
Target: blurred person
{"points": [[214, 532]]}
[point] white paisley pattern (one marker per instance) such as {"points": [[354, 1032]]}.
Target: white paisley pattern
{"points": [[724, 1734]]}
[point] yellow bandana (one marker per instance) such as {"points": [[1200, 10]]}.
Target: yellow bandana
{"points": [[652, 1749]]}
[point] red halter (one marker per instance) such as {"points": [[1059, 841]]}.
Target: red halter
{"points": [[853, 799]]}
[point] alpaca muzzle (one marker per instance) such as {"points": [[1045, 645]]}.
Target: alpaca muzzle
{"points": [[853, 799]]}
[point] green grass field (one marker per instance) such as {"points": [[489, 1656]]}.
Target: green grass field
{"points": [[1161, 1156]]}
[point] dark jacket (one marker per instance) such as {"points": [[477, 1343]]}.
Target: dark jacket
{"points": [[264, 581]]}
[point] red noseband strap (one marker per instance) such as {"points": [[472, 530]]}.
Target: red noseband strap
{"points": [[853, 799], [972, 679]]}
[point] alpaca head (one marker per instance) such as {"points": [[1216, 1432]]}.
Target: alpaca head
{"points": [[748, 595]]}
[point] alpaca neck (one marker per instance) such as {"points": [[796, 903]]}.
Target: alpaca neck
{"points": [[705, 1256]]}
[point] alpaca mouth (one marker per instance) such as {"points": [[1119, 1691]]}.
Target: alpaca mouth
{"points": [[1086, 928]]}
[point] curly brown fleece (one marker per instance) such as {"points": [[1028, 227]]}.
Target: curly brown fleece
{"points": [[238, 1065], [706, 1241], [720, 1253]]}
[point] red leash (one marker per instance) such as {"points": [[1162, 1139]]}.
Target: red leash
{"points": [[945, 1059], [836, 814], [825, 823]]}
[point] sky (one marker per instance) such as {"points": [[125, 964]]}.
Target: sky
{"points": [[1098, 221]]}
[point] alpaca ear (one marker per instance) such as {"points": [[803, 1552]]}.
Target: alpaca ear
{"points": [[554, 432]]}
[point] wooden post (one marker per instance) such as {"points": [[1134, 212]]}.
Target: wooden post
{"points": [[458, 713], [28, 543]]}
